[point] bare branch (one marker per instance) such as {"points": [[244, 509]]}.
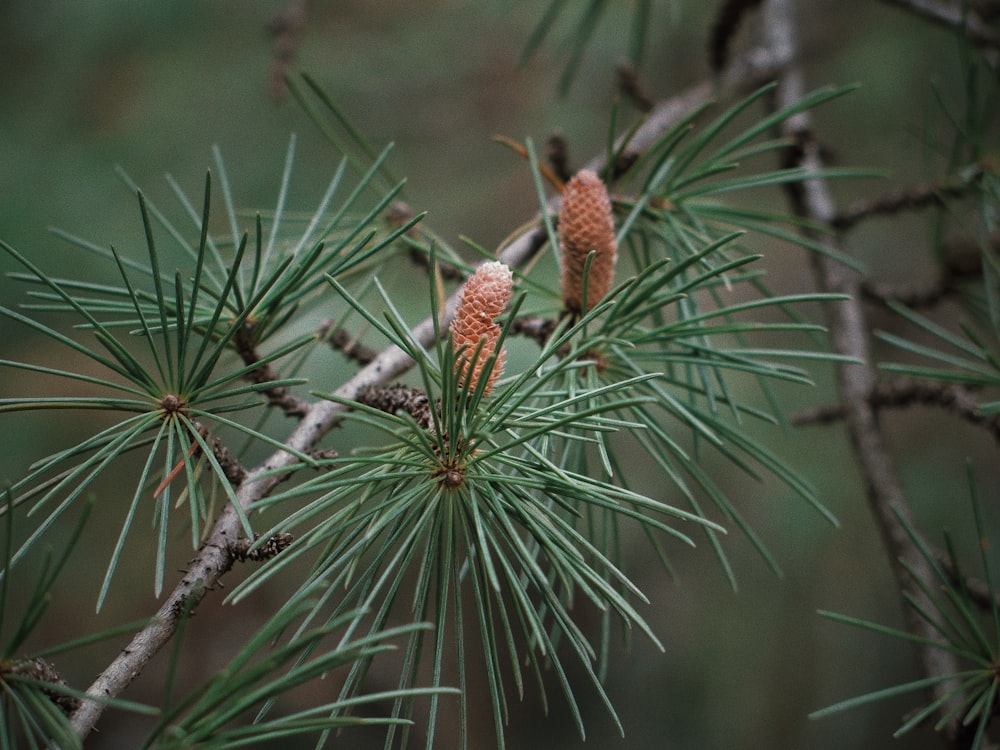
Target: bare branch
{"points": [[557, 153], [903, 392], [748, 71], [913, 198], [632, 88], [727, 23], [963, 261], [534, 327], [849, 327]]}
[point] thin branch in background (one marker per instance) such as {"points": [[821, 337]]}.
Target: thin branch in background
{"points": [[988, 10], [849, 327], [727, 23], [341, 340], [746, 72], [285, 29], [917, 295], [913, 198], [632, 87], [400, 214], [534, 327], [953, 15], [901, 393], [962, 262], [557, 154]]}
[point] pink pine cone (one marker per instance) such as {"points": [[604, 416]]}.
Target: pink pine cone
{"points": [[586, 224], [481, 301]]}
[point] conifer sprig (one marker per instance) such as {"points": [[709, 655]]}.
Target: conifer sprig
{"points": [[476, 499], [172, 377]]}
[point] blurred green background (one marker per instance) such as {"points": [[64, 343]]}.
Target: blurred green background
{"points": [[152, 85]]}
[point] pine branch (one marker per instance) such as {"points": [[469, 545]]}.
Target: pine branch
{"points": [[857, 382], [215, 557]]}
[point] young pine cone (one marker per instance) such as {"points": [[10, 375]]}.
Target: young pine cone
{"points": [[586, 225], [481, 300]]}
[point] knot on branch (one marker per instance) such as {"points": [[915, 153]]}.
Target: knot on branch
{"points": [[230, 465], [397, 397], [240, 549], [44, 671]]}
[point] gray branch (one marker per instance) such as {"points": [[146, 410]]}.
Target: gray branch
{"points": [[857, 382]]}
